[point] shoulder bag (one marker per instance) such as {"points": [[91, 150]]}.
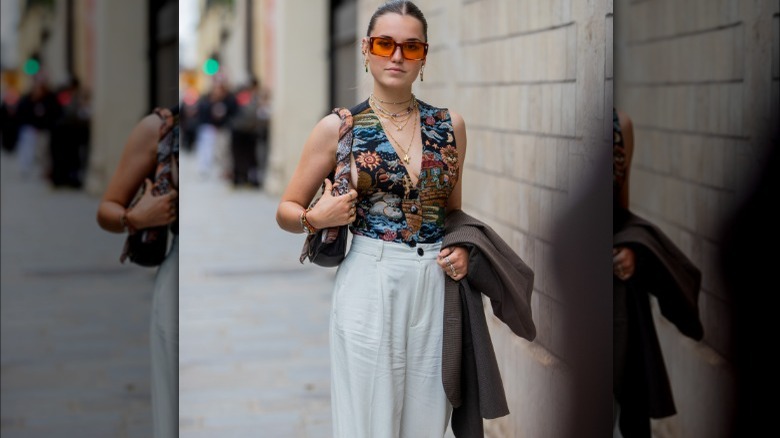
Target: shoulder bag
{"points": [[148, 246], [328, 247]]}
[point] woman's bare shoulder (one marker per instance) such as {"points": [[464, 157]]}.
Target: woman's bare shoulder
{"points": [[626, 123], [144, 135], [324, 136], [329, 124], [457, 119]]}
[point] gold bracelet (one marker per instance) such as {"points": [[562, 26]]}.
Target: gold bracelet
{"points": [[307, 227], [126, 225]]}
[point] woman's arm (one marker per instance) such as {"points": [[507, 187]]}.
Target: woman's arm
{"points": [[318, 159], [459, 128], [454, 260], [138, 160]]}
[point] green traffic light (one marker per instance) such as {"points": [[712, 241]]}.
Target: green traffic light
{"points": [[211, 66], [32, 66]]}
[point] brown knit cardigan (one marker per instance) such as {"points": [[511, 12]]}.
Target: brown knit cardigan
{"points": [[470, 373]]}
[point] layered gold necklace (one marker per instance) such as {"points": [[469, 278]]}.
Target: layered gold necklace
{"points": [[411, 112], [400, 119]]}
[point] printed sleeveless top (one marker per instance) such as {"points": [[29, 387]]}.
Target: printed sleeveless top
{"points": [[619, 164], [389, 206], [167, 170], [619, 169]]}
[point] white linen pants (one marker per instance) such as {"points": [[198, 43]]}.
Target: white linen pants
{"points": [[164, 339], [32, 152], [386, 340], [212, 149]]}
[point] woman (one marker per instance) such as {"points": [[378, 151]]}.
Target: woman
{"points": [[386, 321], [645, 262], [154, 139]]}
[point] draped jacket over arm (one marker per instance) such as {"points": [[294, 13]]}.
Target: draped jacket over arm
{"points": [[641, 384], [470, 373]]}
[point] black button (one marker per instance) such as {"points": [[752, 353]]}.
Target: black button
{"points": [[413, 243], [414, 209], [420, 251]]}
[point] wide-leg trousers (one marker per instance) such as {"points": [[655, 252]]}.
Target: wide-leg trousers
{"points": [[386, 337], [164, 338]]}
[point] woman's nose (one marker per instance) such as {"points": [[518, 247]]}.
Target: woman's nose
{"points": [[397, 55]]}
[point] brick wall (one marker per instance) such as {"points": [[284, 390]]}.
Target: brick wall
{"points": [[532, 80], [696, 77]]}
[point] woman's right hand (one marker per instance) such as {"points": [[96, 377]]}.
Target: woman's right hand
{"points": [[151, 210], [333, 211]]}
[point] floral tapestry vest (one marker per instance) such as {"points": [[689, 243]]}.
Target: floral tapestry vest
{"points": [[390, 206]]}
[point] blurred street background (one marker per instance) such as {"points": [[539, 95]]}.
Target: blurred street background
{"points": [[75, 323], [254, 358], [75, 78], [534, 82], [529, 79]]}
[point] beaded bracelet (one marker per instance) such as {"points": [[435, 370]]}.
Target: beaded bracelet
{"points": [[126, 225], [307, 227]]}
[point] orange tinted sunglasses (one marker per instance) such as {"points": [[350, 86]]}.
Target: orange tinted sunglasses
{"points": [[411, 50]]}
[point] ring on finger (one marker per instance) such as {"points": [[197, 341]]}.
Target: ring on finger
{"points": [[452, 269]]}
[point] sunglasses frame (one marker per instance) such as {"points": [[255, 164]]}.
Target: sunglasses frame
{"points": [[395, 46]]}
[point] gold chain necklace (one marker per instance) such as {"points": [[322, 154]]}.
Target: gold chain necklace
{"points": [[398, 121], [403, 122], [411, 141], [392, 103], [379, 107]]}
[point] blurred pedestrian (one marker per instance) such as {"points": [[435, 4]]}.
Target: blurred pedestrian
{"points": [[154, 140], [215, 110], [38, 111], [395, 354], [9, 120], [69, 142], [189, 118], [248, 128], [645, 262]]}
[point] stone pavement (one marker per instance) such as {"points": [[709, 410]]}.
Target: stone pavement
{"points": [[253, 321], [75, 322]]}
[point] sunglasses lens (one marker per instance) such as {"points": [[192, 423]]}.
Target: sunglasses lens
{"points": [[386, 47], [382, 46], [414, 50]]}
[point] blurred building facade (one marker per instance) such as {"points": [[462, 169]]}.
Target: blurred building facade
{"points": [[131, 51], [123, 54], [239, 35], [700, 81]]}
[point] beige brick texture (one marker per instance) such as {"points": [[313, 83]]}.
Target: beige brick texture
{"points": [[695, 77], [529, 78], [532, 80]]}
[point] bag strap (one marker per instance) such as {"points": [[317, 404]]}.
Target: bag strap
{"points": [[342, 173], [163, 171], [341, 176]]}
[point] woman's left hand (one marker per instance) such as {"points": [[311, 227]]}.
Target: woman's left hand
{"points": [[454, 260], [623, 262]]}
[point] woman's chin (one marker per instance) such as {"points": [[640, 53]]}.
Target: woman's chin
{"points": [[396, 81]]}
